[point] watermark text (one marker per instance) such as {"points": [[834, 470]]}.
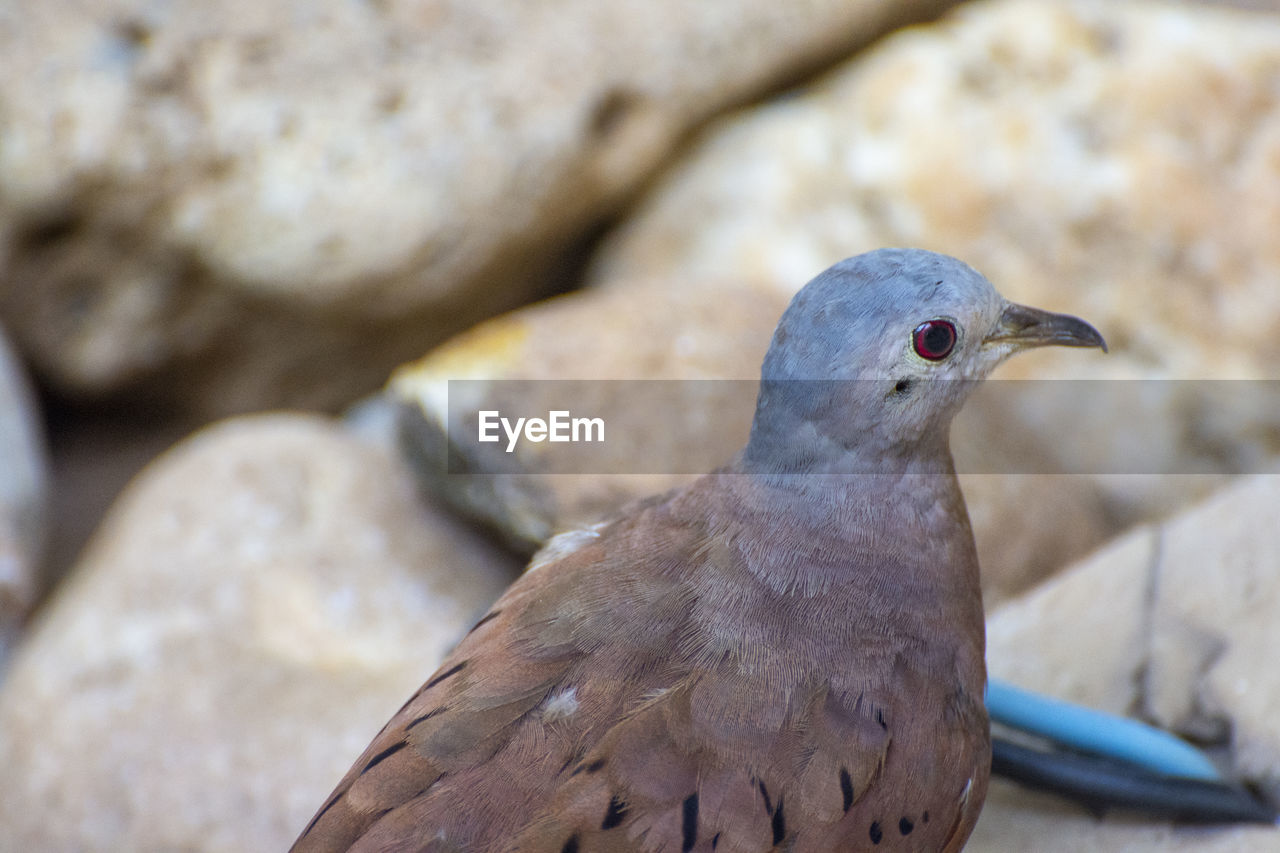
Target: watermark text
{"points": [[558, 426]]}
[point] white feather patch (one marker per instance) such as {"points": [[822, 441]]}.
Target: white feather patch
{"points": [[560, 705], [562, 545]]}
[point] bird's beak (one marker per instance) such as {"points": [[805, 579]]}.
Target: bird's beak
{"points": [[1026, 327]]}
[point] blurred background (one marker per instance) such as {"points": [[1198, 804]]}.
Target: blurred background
{"points": [[243, 245]]}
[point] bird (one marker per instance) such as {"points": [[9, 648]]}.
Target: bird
{"points": [[786, 653]]}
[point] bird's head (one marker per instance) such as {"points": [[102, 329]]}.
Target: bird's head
{"points": [[874, 357]]}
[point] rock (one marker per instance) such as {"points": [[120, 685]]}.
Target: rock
{"points": [[1113, 160], [232, 205], [23, 495], [1214, 626], [1174, 622], [713, 331], [258, 601]]}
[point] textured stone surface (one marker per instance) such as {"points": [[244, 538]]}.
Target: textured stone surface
{"points": [[253, 608], [1026, 525], [1174, 622], [23, 495], [1216, 602], [1111, 159], [225, 202]]}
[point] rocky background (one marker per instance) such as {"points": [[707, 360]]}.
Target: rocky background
{"points": [[211, 213]]}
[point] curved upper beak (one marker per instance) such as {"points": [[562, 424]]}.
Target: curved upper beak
{"points": [[1027, 327]]}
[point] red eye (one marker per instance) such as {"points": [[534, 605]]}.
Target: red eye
{"points": [[934, 339]]}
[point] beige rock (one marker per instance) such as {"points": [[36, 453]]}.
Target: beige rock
{"points": [[1110, 159], [1174, 622], [255, 605], [23, 496], [237, 204], [1026, 525], [1216, 626]]}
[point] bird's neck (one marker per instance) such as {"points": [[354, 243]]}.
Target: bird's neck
{"points": [[785, 453], [901, 524]]}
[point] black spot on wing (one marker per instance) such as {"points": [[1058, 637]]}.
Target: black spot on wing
{"points": [[846, 788], [875, 832], [448, 673], [382, 756], [570, 846], [715, 841], [905, 825], [779, 824], [764, 792], [689, 829], [616, 814]]}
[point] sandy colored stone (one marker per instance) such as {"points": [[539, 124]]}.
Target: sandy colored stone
{"points": [[1110, 159], [23, 497], [1174, 623], [255, 605], [1216, 625], [237, 204], [1026, 525]]}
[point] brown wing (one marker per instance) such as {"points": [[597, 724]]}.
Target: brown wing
{"points": [[604, 705], [478, 752], [461, 717]]}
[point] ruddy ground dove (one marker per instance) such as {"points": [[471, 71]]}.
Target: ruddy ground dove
{"points": [[787, 654]]}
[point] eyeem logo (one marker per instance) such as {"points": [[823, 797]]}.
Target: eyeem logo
{"points": [[558, 426]]}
